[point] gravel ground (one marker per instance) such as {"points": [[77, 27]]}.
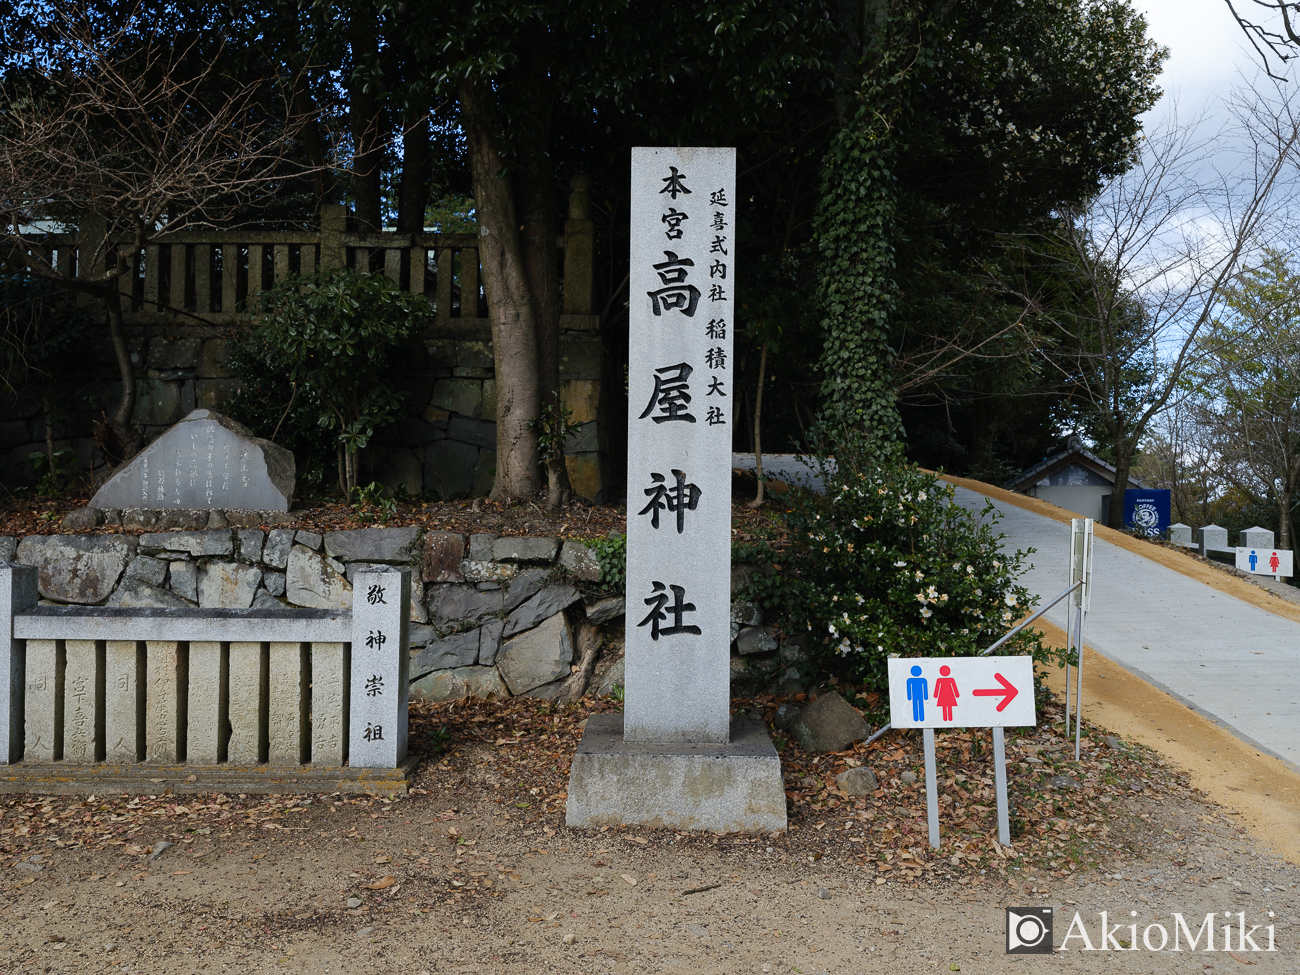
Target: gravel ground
{"points": [[475, 872]]}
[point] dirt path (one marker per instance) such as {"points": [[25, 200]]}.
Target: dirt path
{"points": [[475, 872]]}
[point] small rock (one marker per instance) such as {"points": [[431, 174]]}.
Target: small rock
{"points": [[823, 893], [367, 930], [27, 867], [1063, 782], [786, 715], [908, 778], [829, 724], [756, 639], [578, 559], [311, 539], [570, 939], [354, 902], [159, 848], [217, 520], [858, 781], [83, 519], [603, 610], [1113, 742]]}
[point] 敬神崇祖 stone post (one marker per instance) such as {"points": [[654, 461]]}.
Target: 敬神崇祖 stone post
{"points": [[675, 757], [380, 667]]}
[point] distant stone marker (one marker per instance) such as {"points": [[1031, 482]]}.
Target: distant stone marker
{"points": [[205, 461]]}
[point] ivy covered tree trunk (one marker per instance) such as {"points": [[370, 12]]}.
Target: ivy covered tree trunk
{"points": [[855, 222]]}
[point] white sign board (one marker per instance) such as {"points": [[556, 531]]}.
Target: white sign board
{"points": [[1265, 561], [961, 692], [682, 285]]}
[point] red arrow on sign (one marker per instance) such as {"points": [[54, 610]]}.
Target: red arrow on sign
{"points": [[1007, 691]]}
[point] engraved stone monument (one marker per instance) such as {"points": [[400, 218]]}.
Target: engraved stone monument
{"points": [[206, 461], [675, 757], [380, 667]]}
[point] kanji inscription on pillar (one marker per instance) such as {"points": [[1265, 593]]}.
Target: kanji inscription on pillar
{"points": [[681, 316], [380, 666]]}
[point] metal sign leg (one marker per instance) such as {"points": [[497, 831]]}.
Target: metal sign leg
{"points": [[931, 788], [1000, 779], [1069, 653], [1078, 693]]}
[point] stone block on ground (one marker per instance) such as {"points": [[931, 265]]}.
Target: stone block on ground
{"points": [[77, 568], [455, 685], [537, 657], [548, 602], [858, 781], [731, 787], [207, 461], [829, 724]]}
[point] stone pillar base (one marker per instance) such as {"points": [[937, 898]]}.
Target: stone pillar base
{"points": [[735, 787]]}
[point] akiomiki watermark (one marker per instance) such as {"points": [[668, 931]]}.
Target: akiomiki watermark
{"points": [[1029, 931]]}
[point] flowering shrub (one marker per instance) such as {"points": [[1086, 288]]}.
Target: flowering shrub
{"points": [[886, 563]]}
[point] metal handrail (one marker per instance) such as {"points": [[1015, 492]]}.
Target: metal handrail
{"points": [[1007, 636]]}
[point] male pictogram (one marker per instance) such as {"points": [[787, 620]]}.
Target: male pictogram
{"points": [[945, 692], [918, 692], [1254, 560]]}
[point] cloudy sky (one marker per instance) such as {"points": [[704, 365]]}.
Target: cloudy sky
{"points": [[1208, 52]]}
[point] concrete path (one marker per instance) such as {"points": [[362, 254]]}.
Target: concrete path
{"points": [[1236, 663]]}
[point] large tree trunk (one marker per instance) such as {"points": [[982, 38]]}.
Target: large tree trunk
{"points": [[413, 187], [535, 196], [364, 120], [510, 305], [1284, 502], [1123, 465], [122, 422]]}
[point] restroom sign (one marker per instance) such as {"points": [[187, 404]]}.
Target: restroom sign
{"points": [[1264, 561], [961, 692]]}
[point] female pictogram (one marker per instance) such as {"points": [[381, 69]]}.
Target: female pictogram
{"points": [[945, 692]]}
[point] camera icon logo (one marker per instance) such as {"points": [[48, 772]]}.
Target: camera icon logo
{"points": [[1029, 930]]}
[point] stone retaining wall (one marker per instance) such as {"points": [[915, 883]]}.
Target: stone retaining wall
{"points": [[489, 615]]}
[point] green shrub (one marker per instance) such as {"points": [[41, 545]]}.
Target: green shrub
{"points": [[885, 563], [611, 555], [319, 358]]}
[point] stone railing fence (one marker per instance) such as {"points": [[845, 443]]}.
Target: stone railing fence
{"points": [[186, 292], [96, 698]]}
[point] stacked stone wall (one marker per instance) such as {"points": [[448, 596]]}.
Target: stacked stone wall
{"points": [[489, 615]]}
